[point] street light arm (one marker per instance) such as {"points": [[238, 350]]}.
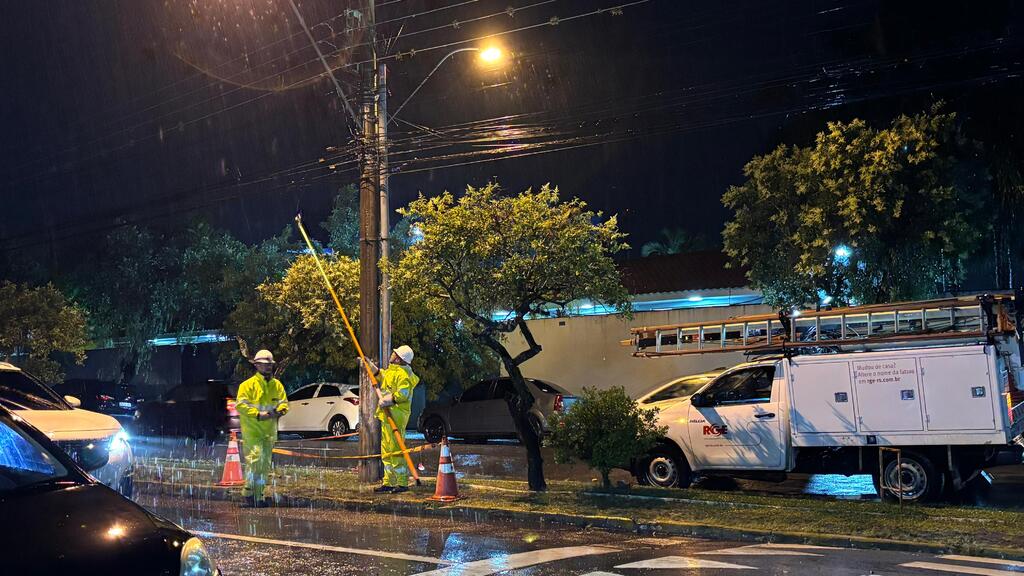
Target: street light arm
{"points": [[442, 61]]}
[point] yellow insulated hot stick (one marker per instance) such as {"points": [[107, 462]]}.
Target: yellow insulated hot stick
{"points": [[359, 349]]}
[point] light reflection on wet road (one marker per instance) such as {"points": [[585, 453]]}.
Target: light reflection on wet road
{"points": [[301, 541]]}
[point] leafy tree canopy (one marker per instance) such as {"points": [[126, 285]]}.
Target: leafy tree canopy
{"points": [[35, 324], [864, 215], [490, 261]]}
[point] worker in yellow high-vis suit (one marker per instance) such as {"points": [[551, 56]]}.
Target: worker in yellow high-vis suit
{"points": [[260, 402], [397, 383]]}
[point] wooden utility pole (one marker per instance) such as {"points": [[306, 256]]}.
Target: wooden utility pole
{"points": [[370, 470]]}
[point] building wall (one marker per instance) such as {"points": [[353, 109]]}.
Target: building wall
{"points": [[585, 351]]}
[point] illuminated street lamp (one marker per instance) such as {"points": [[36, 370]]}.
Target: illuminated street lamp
{"points": [[490, 55]]}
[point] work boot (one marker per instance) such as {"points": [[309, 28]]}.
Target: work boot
{"points": [[399, 489], [267, 502], [385, 489], [248, 502]]}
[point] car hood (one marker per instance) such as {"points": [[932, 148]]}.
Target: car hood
{"points": [[86, 529], [74, 424]]}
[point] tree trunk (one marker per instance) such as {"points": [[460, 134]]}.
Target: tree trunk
{"points": [[606, 480], [520, 409]]}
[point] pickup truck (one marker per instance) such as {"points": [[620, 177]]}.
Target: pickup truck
{"points": [[922, 420]]}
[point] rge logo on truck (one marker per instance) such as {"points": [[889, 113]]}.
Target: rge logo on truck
{"points": [[715, 430]]}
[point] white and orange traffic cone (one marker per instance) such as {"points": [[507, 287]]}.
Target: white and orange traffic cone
{"points": [[447, 490], [232, 465]]}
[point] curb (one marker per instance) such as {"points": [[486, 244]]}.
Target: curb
{"points": [[610, 523]]}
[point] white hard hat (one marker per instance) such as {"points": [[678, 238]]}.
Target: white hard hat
{"points": [[263, 357], [405, 353]]}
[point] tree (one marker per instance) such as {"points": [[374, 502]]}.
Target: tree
{"points": [[606, 429], [343, 223], [492, 261], [36, 323], [864, 215], [676, 241]]}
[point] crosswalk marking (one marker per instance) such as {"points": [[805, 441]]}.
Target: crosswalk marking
{"points": [[960, 569], [521, 560], [660, 541], [980, 560], [684, 562], [757, 550]]}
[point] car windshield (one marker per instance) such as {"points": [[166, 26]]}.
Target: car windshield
{"points": [[23, 461], [679, 389], [20, 392]]}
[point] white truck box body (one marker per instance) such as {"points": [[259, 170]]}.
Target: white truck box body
{"points": [[923, 396]]}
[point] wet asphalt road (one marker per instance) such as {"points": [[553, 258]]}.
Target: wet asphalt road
{"points": [[300, 541], [507, 459]]}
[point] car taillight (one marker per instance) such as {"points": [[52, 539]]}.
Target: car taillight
{"points": [[559, 403], [353, 401], [104, 398]]}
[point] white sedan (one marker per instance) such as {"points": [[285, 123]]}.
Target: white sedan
{"points": [[323, 408]]}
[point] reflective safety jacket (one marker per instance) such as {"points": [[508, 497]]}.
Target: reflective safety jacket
{"points": [[255, 395], [399, 381]]}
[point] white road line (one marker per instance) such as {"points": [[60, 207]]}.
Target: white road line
{"points": [[798, 546], [756, 550], [684, 562], [960, 569], [326, 548], [601, 574], [520, 560], [980, 560], [660, 541]]}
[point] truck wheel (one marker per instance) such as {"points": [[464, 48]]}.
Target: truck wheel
{"points": [[338, 426], [666, 468], [920, 480]]}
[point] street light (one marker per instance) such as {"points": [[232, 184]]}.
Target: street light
{"points": [[488, 55]]}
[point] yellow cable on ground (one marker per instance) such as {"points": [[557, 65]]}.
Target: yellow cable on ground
{"points": [[359, 349]]}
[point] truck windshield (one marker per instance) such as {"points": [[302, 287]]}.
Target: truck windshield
{"points": [[679, 389]]}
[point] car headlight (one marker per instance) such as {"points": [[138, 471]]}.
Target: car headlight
{"points": [[119, 443], [195, 560]]}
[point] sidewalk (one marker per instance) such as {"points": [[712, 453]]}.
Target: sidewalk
{"points": [[692, 512]]}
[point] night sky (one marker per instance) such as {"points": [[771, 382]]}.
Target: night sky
{"points": [[164, 112]]}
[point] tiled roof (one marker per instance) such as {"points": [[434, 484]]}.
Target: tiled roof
{"points": [[704, 270]]}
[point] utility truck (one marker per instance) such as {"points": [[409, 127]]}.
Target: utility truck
{"points": [[921, 395]]}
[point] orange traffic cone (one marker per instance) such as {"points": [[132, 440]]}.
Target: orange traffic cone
{"points": [[232, 465], [447, 490]]}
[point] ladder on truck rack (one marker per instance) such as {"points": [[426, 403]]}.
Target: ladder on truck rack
{"points": [[964, 318]]}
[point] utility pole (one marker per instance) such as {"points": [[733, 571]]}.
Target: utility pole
{"points": [[371, 469], [385, 211]]}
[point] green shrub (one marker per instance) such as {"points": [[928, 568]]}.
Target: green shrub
{"points": [[606, 429]]}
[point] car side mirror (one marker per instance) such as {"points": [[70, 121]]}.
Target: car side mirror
{"points": [[697, 400], [75, 402]]}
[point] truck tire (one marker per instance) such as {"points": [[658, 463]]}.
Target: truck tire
{"points": [[666, 468], [921, 481]]}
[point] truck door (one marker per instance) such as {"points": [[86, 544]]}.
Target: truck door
{"points": [[738, 423]]}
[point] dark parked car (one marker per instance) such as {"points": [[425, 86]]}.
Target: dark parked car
{"points": [[58, 520], [481, 412], [103, 396], [201, 410]]}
